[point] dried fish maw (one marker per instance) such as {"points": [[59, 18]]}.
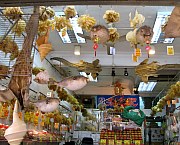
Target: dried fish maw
{"points": [[44, 49], [172, 29]]}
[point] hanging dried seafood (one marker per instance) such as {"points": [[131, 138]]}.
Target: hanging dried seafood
{"points": [[70, 12], [12, 12], [42, 77], [9, 46], [172, 30], [43, 46], [94, 67], [140, 36], [111, 16], [86, 22], [19, 27], [44, 26], [100, 32], [131, 37], [172, 93], [113, 34], [137, 20], [15, 133], [49, 104], [37, 70], [61, 22], [46, 13], [145, 70], [4, 70]]}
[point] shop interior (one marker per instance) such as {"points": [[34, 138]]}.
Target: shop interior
{"points": [[89, 72]]}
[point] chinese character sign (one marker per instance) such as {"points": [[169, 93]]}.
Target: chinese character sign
{"points": [[126, 100]]}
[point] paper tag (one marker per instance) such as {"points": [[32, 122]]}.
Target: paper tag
{"points": [[49, 94], [170, 50], [137, 52], [134, 58]]}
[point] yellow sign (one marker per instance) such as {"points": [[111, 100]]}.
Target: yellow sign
{"points": [[170, 50], [134, 58]]}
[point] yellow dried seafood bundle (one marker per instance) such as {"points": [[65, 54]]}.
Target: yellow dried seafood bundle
{"points": [[46, 13], [12, 12], [70, 12], [111, 16], [9, 46], [113, 34], [3, 71], [137, 20], [172, 93], [19, 27], [61, 22], [64, 30], [86, 22], [44, 26]]}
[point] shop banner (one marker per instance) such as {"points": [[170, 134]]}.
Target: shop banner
{"points": [[126, 100]]}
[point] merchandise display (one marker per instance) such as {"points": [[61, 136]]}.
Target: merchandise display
{"points": [[121, 137], [92, 73]]}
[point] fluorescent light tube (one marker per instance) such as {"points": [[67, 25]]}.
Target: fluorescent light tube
{"points": [[146, 86], [160, 20]]}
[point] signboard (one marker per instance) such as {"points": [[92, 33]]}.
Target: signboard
{"points": [[126, 100], [170, 50]]}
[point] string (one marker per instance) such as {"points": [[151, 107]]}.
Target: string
{"points": [[86, 9]]}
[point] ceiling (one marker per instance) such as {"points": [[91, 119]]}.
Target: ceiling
{"points": [[123, 56]]}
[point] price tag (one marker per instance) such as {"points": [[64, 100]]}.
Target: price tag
{"points": [[49, 94], [137, 52], [134, 58]]}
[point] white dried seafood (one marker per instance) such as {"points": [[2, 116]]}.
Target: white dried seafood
{"points": [[15, 133], [131, 37], [137, 20]]}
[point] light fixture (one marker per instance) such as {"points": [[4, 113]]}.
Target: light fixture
{"points": [[89, 76], [158, 35], [125, 72], [77, 49], [146, 86], [72, 37], [152, 50]]}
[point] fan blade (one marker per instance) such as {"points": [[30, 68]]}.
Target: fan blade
{"points": [[84, 36]]}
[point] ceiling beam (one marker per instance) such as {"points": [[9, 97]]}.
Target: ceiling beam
{"points": [[88, 2]]}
